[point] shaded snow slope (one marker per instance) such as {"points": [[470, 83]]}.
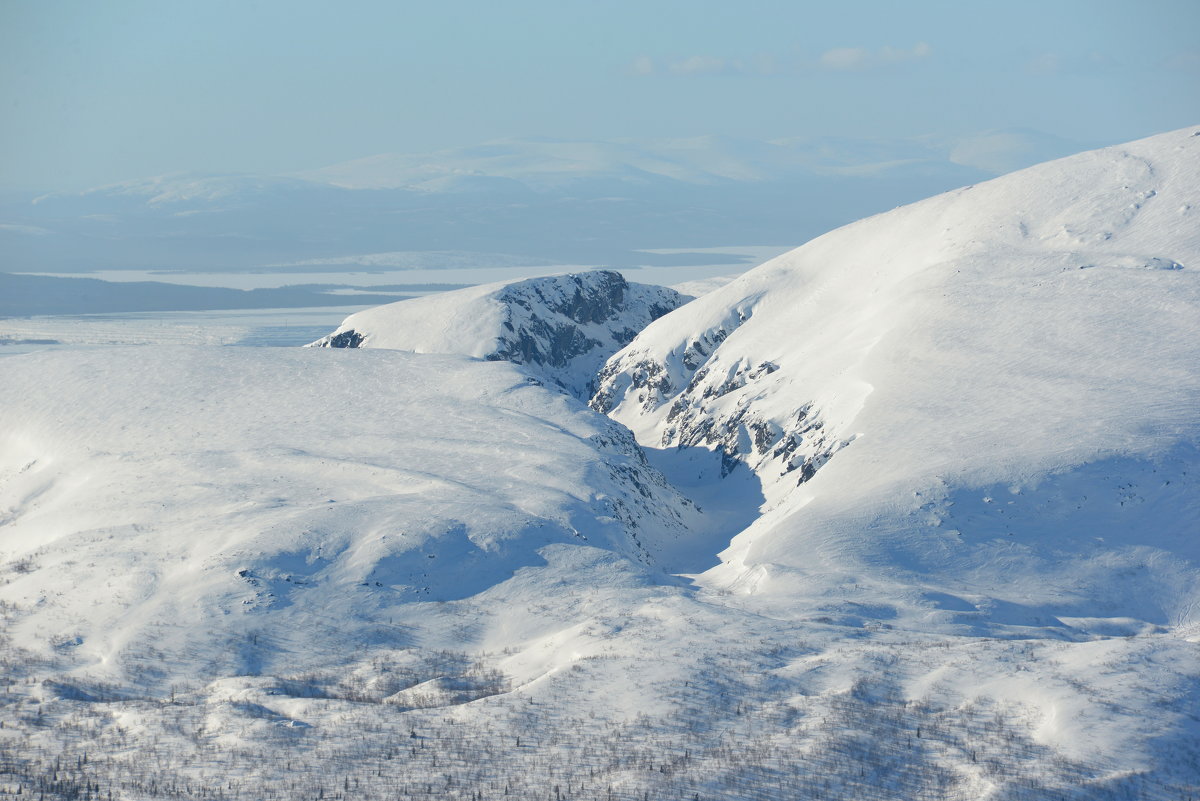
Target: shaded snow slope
{"points": [[180, 499], [560, 328]]}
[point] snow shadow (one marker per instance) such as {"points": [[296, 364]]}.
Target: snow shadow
{"points": [[1119, 533], [726, 505]]}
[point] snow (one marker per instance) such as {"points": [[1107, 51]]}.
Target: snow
{"points": [[282, 327], [201, 492], [914, 515], [562, 328], [999, 395], [981, 352]]}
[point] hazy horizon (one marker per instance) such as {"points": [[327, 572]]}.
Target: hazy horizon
{"points": [[98, 94]]}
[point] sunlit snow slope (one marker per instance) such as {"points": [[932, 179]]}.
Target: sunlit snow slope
{"points": [[993, 392]]}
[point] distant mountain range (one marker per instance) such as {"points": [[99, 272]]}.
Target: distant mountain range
{"points": [[542, 201], [551, 166]]}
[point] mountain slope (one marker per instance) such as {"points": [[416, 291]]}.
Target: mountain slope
{"points": [[212, 493], [560, 328], [975, 416], [1037, 319]]}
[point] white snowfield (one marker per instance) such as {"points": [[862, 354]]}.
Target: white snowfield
{"points": [[947, 456], [1038, 320]]}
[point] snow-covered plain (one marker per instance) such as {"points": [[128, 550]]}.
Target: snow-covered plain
{"points": [[265, 327], [947, 457]]}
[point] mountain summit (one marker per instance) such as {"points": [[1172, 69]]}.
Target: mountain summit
{"points": [[559, 328]]}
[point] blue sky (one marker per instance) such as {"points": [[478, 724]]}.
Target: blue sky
{"points": [[96, 92]]}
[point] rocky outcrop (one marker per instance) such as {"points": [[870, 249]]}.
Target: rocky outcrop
{"points": [[715, 409], [560, 328], [698, 399]]}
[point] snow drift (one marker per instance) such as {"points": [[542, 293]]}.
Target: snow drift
{"points": [[180, 499]]}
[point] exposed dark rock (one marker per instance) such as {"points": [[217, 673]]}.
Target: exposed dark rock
{"points": [[346, 339], [544, 343], [716, 409], [562, 328]]}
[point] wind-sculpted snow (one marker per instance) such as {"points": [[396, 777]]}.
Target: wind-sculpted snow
{"points": [[1031, 342], [974, 415], [560, 328]]}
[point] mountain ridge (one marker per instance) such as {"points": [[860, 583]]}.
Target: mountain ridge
{"points": [[1097, 244], [569, 203], [561, 328]]}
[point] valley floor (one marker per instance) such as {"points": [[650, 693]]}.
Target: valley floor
{"points": [[803, 711]]}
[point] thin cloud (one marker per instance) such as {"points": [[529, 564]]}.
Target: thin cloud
{"points": [[702, 65], [839, 59], [642, 65], [845, 58], [1050, 63], [857, 59], [896, 55], [1044, 64], [1186, 61]]}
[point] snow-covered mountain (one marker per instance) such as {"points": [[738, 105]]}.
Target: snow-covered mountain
{"points": [[561, 328], [565, 202], [1051, 316], [975, 415], [545, 165], [915, 515]]}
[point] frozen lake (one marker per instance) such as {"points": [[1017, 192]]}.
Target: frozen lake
{"points": [[247, 327], [293, 327], [727, 261]]}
